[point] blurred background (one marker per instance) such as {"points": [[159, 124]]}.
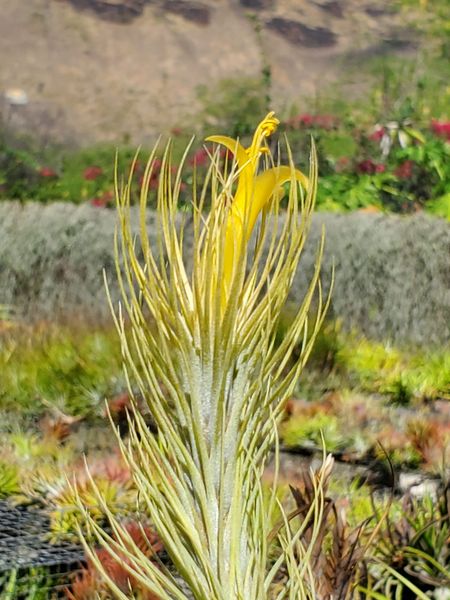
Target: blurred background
{"points": [[83, 72], [369, 81]]}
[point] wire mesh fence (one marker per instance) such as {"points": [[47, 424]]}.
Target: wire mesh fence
{"points": [[31, 566]]}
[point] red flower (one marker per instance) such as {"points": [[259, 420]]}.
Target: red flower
{"points": [[368, 167], [342, 164], [103, 200], [405, 169], [380, 168], [136, 167], [157, 164], [92, 173], [200, 158], [308, 120], [377, 134], [224, 153], [325, 121], [304, 120], [441, 128], [47, 172]]}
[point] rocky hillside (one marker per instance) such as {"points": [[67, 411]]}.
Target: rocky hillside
{"points": [[80, 71]]}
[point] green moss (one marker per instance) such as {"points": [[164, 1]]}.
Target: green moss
{"points": [[72, 371], [401, 374], [303, 429]]}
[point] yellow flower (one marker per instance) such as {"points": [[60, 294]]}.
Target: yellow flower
{"points": [[253, 193]]}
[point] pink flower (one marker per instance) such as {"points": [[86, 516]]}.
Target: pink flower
{"points": [[47, 172], [441, 128], [380, 168], [405, 169], [92, 173]]}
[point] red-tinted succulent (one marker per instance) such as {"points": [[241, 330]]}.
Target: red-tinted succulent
{"points": [[84, 586], [145, 538], [429, 438], [119, 405], [325, 121], [88, 582]]}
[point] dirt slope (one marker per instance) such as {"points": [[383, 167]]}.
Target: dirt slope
{"points": [[97, 70]]}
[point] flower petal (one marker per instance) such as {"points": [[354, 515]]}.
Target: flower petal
{"points": [[245, 210], [233, 146]]}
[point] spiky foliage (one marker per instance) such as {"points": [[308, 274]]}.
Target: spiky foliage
{"points": [[204, 353], [415, 543], [336, 549]]}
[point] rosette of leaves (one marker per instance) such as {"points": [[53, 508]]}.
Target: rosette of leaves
{"points": [[203, 352], [101, 496]]}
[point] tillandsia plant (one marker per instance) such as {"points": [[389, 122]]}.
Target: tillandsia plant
{"points": [[204, 353]]}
